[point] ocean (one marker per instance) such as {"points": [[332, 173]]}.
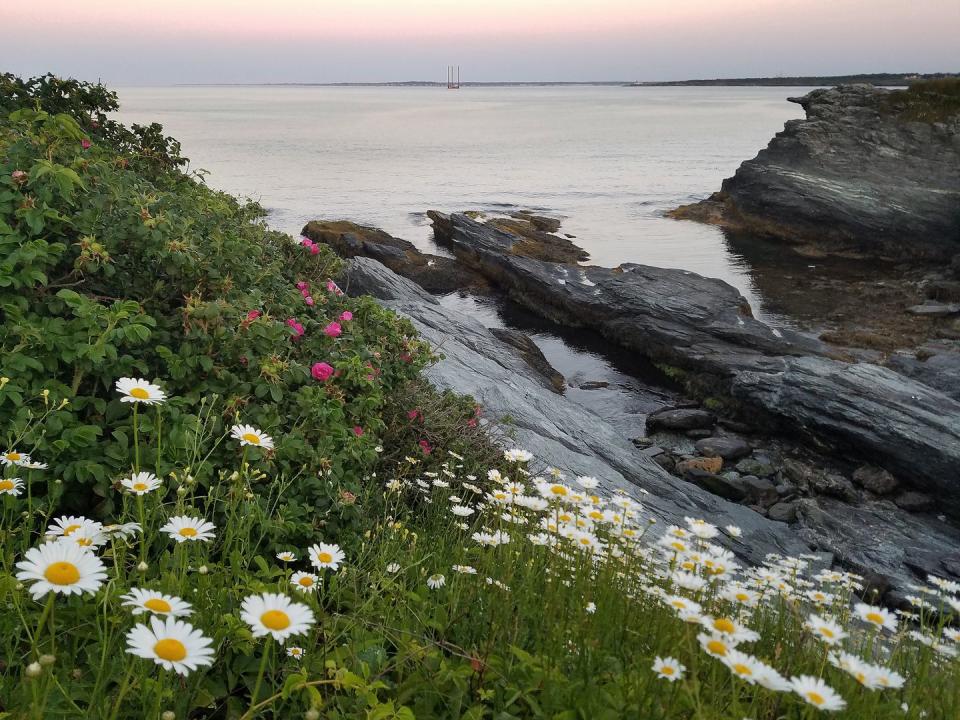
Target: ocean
{"points": [[607, 160]]}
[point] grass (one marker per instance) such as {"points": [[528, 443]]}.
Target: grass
{"points": [[926, 101]]}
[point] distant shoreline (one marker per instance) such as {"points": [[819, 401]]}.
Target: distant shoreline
{"points": [[881, 79]]}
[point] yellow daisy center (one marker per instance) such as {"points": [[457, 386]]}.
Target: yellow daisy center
{"points": [[666, 670], [741, 669], [62, 573], [170, 649], [724, 625], [70, 529], [158, 605], [275, 620], [680, 604], [251, 438], [188, 532], [827, 632], [860, 677], [84, 542], [324, 557], [742, 597], [875, 618], [6, 485], [585, 541], [717, 647], [139, 393], [816, 698], [139, 486], [558, 490], [13, 456], [306, 581], [678, 546]]}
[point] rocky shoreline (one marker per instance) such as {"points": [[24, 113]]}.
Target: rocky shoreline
{"points": [[803, 449]]}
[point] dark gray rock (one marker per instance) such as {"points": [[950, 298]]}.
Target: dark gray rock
{"points": [[729, 488], [760, 491], [577, 441], [936, 364], [593, 385], [553, 427], [786, 490], [681, 419], [876, 480], [760, 466], [785, 512], [909, 428], [934, 309], [698, 434], [833, 485], [853, 174], [914, 501], [729, 447], [653, 451], [523, 344], [704, 326], [943, 290]]}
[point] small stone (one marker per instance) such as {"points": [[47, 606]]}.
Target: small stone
{"points": [[933, 309], [729, 447], [653, 451], [760, 491], [698, 434], [729, 489], [786, 490], [681, 419], [833, 485], [913, 501], [710, 465], [876, 480], [760, 466], [594, 385], [783, 512], [665, 461]]}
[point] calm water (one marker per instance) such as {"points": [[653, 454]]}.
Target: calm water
{"points": [[608, 161]]}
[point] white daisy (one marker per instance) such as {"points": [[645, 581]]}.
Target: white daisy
{"points": [[733, 531], [171, 643], [276, 615], [436, 581], [587, 483], [393, 568], [462, 510], [517, 455], [465, 569], [326, 555], [668, 668], [141, 483], [31, 464], [142, 601], [14, 457], [183, 528], [124, 530], [817, 693], [295, 652], [827, 631], [69, 524], [304, 582], [86, 537], [249, 435], [11, 486], [61, 568], [877, 616], [591, 607], [138, 390], [286, 556]]}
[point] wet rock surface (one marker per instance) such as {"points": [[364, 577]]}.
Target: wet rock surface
{"points": [[704, 326], [532, 355], [875, 537], [433, 273], [855, 173]]}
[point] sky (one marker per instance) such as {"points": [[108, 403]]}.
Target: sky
{"points": [[150, 42]]}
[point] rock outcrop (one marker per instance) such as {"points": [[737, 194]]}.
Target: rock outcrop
{"points": [[704, 326], [858, 173], [891, 547]]}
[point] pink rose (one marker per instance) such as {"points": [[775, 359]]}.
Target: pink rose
{"points": [[413, 414], [253, 315], [346, 316], [425, 446], [308, 300], [332, 287], [321, 371], [358, 431], [333, 330], [85, 144], [301, 286], [18, 176], [314, 249], [296, 327], [305, 241]]}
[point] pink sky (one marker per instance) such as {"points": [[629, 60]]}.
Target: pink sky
{"points": [[354, 40]]}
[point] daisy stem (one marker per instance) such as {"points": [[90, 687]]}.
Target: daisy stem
{"points": [[47, 611], [143, 529], [263, 667], [136, 440], [123, 691]]}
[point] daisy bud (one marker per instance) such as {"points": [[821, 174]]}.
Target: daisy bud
{"points": [[142, 567], [182, 490], [77, 673], [203, 570], [168, 715], [34, 669], [47, 659], [311, 714]]}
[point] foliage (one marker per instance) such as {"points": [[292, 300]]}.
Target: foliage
{"points": [[927, 101]]}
